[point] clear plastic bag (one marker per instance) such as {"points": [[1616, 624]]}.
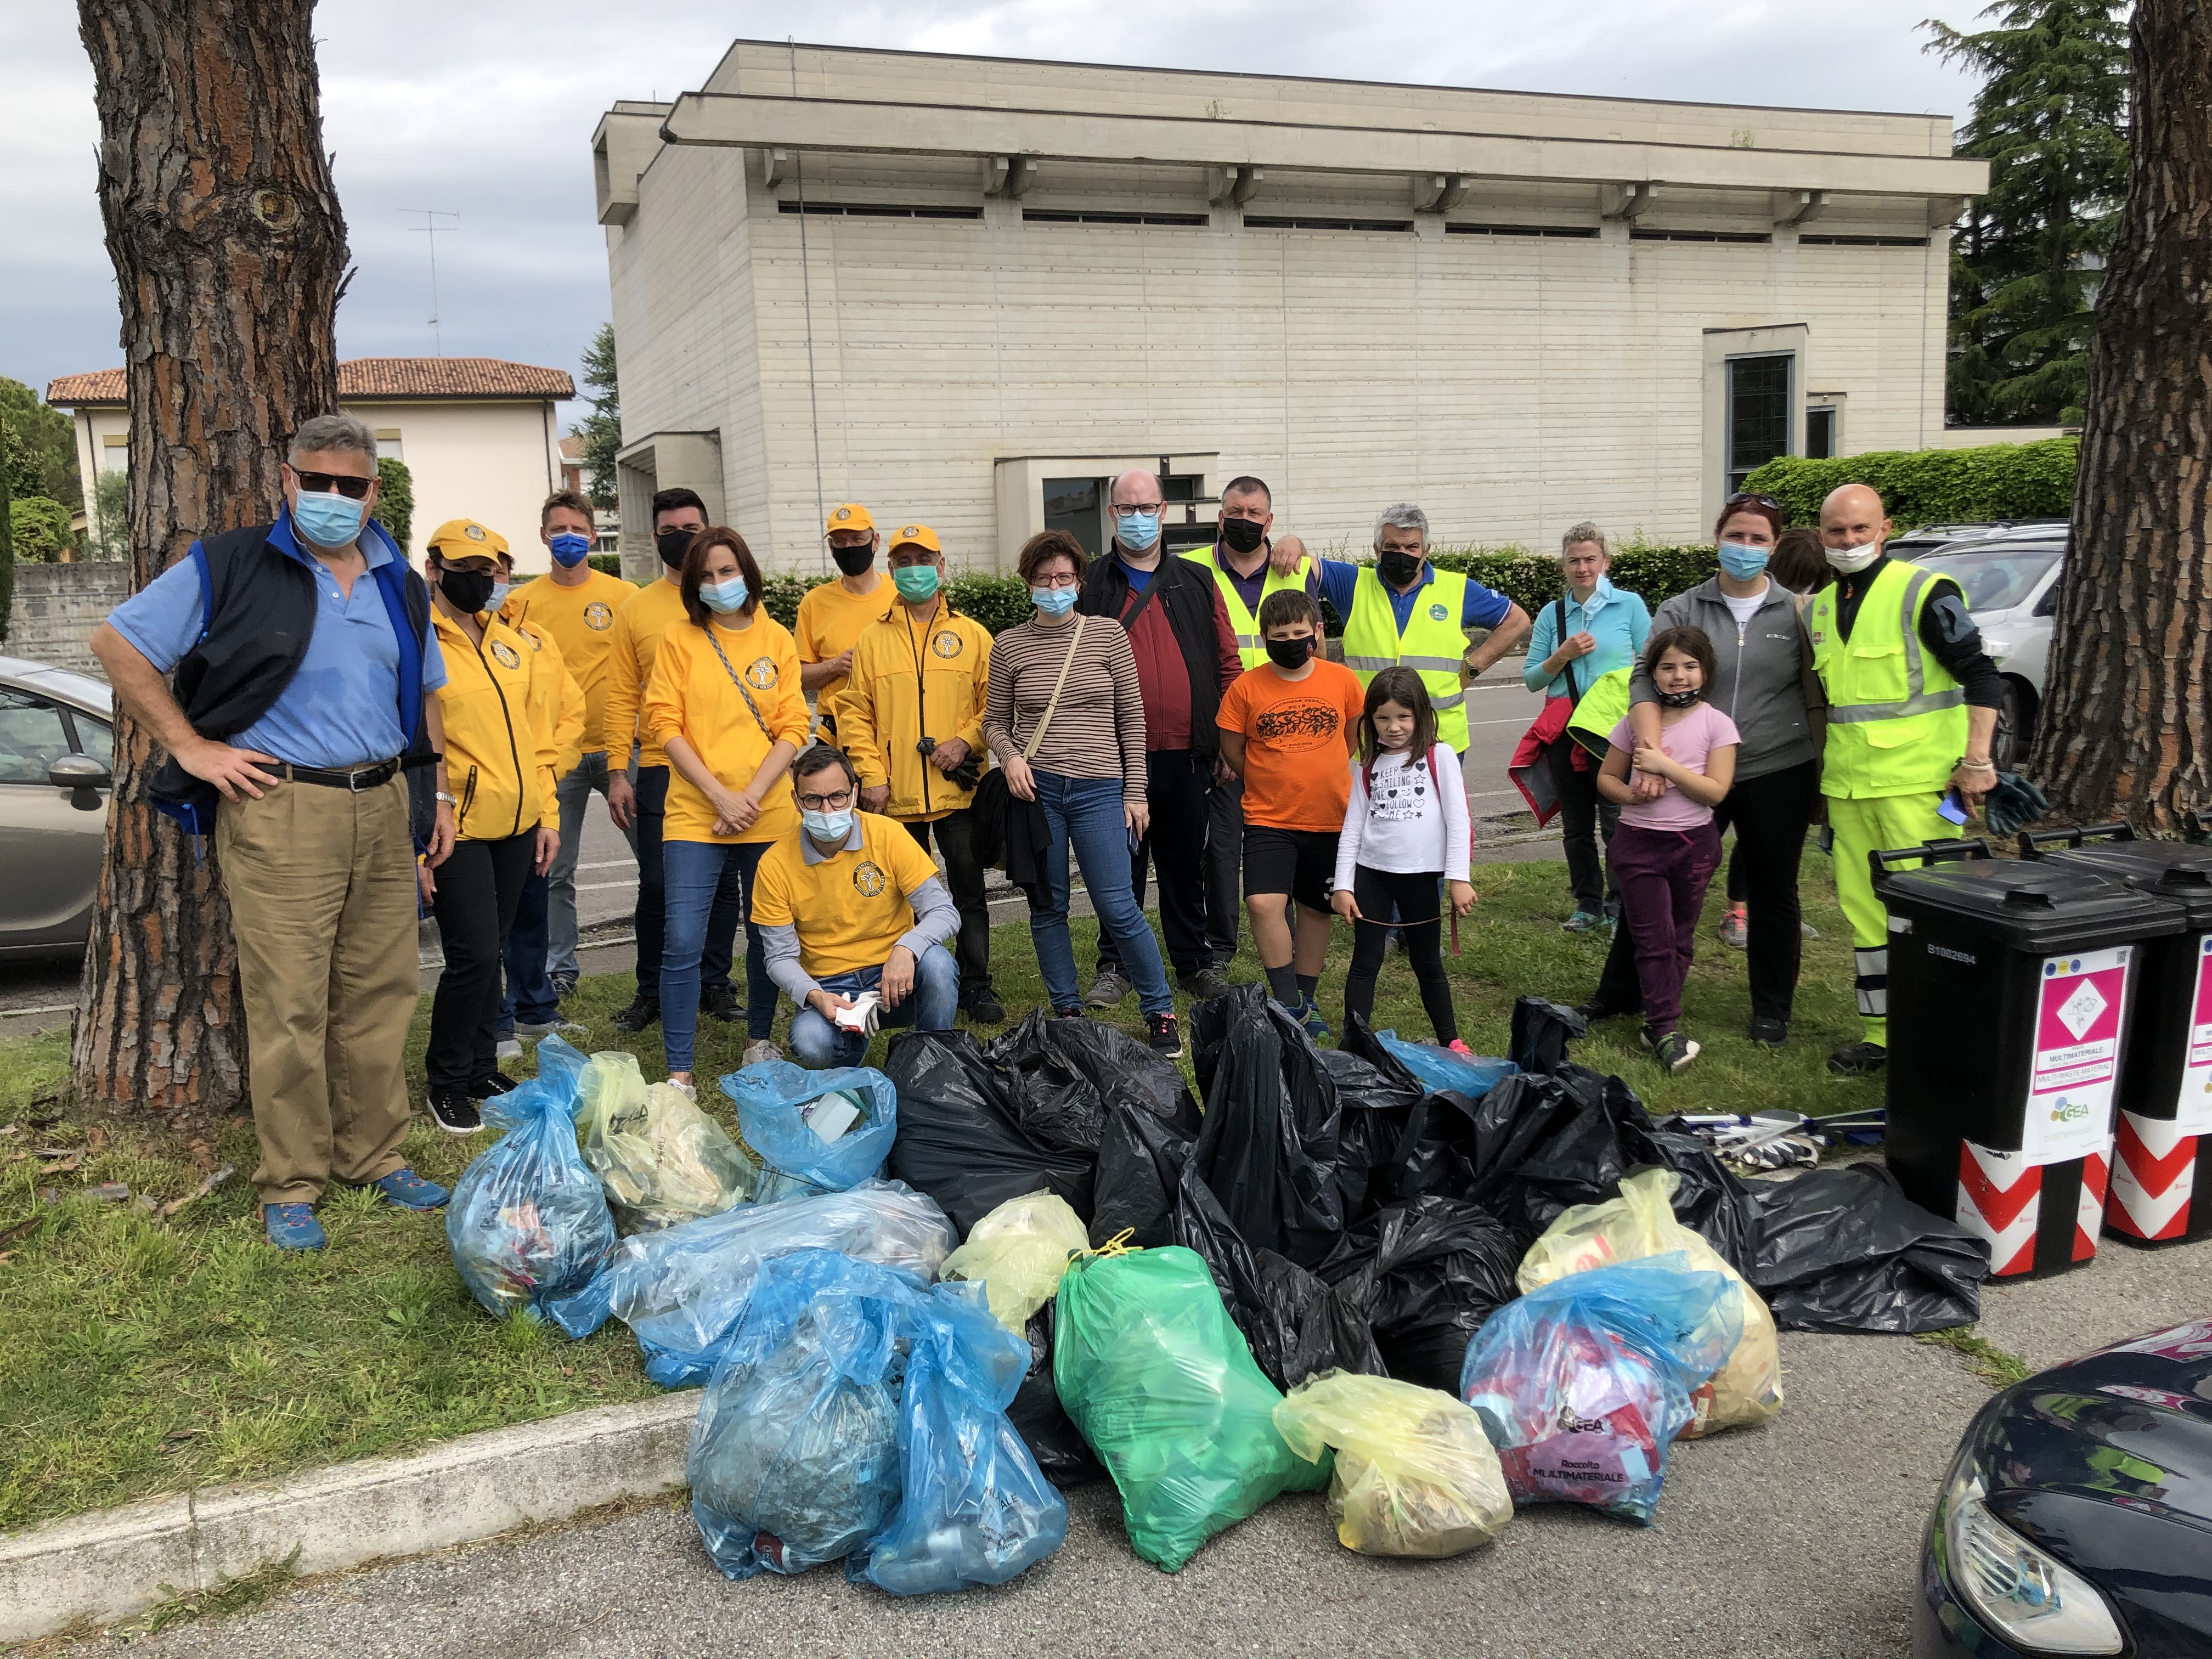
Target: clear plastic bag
{"points": [[1640, 1223], [1439, 1069], [527, 1221], [1414, 1474], [1152, 1372], [779, 1105], [659, 1157], [1019, 1252], [682, 1289], [1582, 1384]]}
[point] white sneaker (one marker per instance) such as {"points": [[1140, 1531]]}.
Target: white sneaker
{"points": [[689, 1091], [760, 1053], [509, 1049]]}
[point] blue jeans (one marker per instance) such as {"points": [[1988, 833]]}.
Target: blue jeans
{"points": [[573, 793], [930, 1006], [651, 917], [529, 995], [1085, 814], [704, 878]]}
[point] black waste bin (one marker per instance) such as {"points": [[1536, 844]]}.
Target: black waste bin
{"points": [[2164, 1125], [2010, 989]]}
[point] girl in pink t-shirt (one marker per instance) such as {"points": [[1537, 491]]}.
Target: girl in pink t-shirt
{"points": [[1666, 850]]}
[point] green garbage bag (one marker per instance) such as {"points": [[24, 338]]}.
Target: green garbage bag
{"points": [[1158, 1379]]}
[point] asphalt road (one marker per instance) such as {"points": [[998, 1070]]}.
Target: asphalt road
{"points": [[1800, 1538]]}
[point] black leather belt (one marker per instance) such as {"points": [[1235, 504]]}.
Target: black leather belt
{"points": [[366, 777]]}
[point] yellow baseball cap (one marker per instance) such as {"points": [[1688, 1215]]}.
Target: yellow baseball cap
{"points": [[920, 534], [850, 516], [464, 538]]}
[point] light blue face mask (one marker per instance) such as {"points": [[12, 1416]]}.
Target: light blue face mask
{"points": [[828, 826], [1600, 596], [1742, 560], [499, 592], [570, 549], [1054, 601], [1138, 532], [723, 598], [327, 518]]}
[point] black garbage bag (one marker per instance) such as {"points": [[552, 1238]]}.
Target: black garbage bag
{"points": [[1140, 1161], [1298, 1325], [1069, 1072], [1269, 1148], [1540, 1144], [962, 1135], [1709, 1198], [1377, 1098], [1843, 1250], [1426, 1275], [1541, 1031], [1036, 1415]]}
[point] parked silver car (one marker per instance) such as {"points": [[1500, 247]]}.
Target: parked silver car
{"points": [[2010, 580], [57, 764]]}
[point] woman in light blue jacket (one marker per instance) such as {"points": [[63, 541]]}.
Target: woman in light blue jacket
{"points": [[1590, 630]]}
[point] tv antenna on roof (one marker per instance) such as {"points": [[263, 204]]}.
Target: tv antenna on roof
{"points": [[430, 228]]}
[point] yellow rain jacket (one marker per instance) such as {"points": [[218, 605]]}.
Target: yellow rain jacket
{"points": [[909, 679], [498, 765]]}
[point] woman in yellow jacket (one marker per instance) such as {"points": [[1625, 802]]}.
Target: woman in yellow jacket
{"points": [[499, 765], [725, 702]]}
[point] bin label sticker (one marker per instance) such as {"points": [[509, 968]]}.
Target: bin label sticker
{"points": [[2193, 1112], [2077, 1050]]}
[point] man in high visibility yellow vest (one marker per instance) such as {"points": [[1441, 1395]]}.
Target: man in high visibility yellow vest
{"points": [[1242, 563], [1402, 610], [1912, 705]]}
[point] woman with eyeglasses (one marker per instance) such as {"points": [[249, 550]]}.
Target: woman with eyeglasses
{"points": [[725, 702], [1763, 681], [1064, 715]]}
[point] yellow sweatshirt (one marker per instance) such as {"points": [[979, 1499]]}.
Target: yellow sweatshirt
{"points": [[693, 694], [909, 679], [580, 620], [498, 766], [635, 637], [556, 702]]}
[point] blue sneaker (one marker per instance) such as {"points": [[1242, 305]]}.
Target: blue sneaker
{"points": [[294, 1226], [410, 1192], [1582, 922], [1316, 1027]]}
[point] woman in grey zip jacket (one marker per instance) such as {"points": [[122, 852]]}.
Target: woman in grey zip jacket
{"points": [[1764, 682]]}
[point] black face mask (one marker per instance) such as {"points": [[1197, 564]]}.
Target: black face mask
{"points": [[853, 560], [673, 544], [1398, 570], [1679, 699], [1242, 535], [1291, 654], [465, 590]]}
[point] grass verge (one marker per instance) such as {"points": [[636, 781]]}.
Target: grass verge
{"points": [[1994, 1365], [150, 1354]]}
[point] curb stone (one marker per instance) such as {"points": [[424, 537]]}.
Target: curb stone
{"points": [[111, 1565]]}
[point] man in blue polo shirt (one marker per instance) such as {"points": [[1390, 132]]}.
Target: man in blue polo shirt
{"points": [[303, 662]]}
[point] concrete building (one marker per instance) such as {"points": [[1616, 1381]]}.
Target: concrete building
{"points": [[606, 522], [965, 290], [478, 436]]}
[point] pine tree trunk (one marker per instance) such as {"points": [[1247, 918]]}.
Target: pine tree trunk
{"points": [[228, 248], [2127, 728]]}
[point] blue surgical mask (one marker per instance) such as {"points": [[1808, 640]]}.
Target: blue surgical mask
{"points": [[1600, 596], [723, 598], [570, 549], [499, 592], [1742, 562], [828, 826], [1054, 601], [1139, 532], [327, 518]]}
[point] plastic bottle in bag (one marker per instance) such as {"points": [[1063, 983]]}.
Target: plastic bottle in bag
{"points": [[779, 1106], [1414, 1474]]}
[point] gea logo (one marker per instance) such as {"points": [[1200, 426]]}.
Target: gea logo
{"points": [[2068, 1112]]}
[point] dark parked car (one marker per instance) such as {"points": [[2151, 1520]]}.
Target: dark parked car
{"points": [[2077, 1517], [56, 755]]}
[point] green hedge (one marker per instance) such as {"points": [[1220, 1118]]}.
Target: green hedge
{"points": [[608, 564], [1935, 486]]}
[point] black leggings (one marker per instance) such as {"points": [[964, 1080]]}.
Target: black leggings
{"points": [[1420, 914]]}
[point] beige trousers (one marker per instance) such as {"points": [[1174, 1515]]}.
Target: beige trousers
{"points": [[322, 895]]}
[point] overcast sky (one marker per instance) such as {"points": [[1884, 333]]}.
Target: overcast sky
{"points": [[486, 109]]}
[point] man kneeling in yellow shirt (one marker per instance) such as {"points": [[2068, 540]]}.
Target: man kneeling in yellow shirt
{"points": [[849, 905]]}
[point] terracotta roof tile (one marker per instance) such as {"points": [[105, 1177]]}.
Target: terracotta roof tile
{"points": [[367, 379]]}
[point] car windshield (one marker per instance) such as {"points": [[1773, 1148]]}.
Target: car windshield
{"points": [[1995, 578]]}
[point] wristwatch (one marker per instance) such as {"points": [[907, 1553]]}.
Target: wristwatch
{"points": [[449, 800]]}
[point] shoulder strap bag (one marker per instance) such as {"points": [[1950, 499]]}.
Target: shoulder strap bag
{"points": [[738, 682]]}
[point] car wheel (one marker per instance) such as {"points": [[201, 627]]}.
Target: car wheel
{"points": [[2015, 732]]}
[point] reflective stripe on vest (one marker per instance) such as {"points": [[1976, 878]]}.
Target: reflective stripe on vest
{"points": [[1917, 699], [1372, 643], [1251, 649]]}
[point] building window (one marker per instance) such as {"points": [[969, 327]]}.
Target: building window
{"points": [[387, 444], [1820, 432], [1758, 413], [1058, 217], [1273, 221], [876, 210], [1579, 232], [1072, 504], [1700, 236], [1807, 240], [114, 454]]}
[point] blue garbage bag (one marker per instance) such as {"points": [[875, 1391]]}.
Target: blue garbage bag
{"points": [[1582, 1383], [975, 1508], [772, 1100], [528, 1221], [682, 1289], [1441, 1071]]}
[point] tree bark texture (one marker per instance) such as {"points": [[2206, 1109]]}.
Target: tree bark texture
{"points": [[228, 248], [2127, 726]]}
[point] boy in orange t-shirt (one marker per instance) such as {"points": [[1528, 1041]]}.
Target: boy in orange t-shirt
{"points": [[1286, 728]]}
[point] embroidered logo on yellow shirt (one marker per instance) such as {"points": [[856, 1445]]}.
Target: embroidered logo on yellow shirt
{"points": [[505, 654], [868, 880], [761, 676], [948, 644], [598, 615]]}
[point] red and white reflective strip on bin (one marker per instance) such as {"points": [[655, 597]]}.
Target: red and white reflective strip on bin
{"points": [[2089, 1205], [2154, 1177], [2000, 1198]]}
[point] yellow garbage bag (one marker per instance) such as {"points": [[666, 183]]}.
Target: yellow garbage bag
{"points": [[659, 1159], [1019, 1251], [1640, 1223], [1414, 1473]]}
